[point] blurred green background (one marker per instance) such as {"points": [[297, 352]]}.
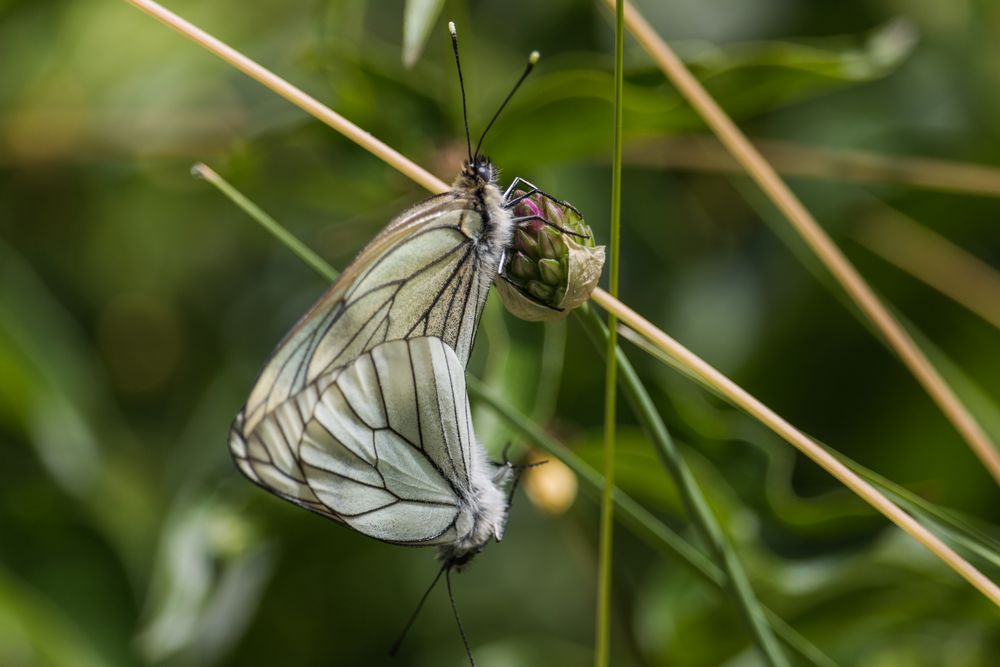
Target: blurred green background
{"points": [[136, 305]]}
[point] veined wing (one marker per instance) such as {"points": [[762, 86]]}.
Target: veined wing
{"points": [[421, 276], [386, 448]]}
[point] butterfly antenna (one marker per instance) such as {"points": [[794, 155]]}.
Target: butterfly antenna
{"points": [[399, 642], [532, 61], [519, 468], [461, 85], [454, 609]]}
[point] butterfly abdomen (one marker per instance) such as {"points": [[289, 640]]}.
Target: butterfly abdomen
{"points": [[483, 514]]}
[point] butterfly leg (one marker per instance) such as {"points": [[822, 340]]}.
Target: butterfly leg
{"points": [[513, 186], [515, 469], [532, 189], [528, 218]]}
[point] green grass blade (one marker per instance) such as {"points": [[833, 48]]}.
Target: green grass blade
{"points": [[35, 630], [419, 16], [737, 583], [286, 238], [602, 648], [961, 532], [947, 524], [645, 525]]}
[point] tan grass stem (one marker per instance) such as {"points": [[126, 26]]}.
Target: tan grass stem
{"points": [[851, 165], [933, 259], [826, 250], [711, 376], [296, 96], [799, 440]]}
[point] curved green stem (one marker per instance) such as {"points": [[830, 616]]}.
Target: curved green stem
{"points": [[737, 583]]}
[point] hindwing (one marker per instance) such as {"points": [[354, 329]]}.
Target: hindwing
{"points": [[384, 445]]}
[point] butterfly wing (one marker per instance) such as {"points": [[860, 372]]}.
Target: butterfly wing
{"points": [[423, 275], [387, 447]]}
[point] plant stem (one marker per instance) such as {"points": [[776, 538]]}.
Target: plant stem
{"points": [[737, 583], [947, 521], [201, 170], [933, 259], [295, 95], [697, 152], [602, 648]]}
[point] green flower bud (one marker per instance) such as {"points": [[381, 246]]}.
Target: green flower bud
{"points": [[550, 243], [553, 266], [554, 214], [552, 272], [526, 242], [522, 267]]}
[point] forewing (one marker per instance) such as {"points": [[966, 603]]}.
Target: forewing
{"points": [[437, 417], [269, 455], [384, 447], [419, 277]]}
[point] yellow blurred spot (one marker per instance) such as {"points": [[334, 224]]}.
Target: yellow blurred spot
{"points": [[40, 135], [48, 122], [550, 487]]}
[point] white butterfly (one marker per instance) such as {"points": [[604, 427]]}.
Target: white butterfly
{"points": [[361, 414], [385, 445], [408, 307], [349, 417]]}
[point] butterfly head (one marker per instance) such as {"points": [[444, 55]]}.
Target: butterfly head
{"points": [[478, 171]]}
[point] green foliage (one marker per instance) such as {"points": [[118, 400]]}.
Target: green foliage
{"points": [[136, 305], [418, 20]]}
